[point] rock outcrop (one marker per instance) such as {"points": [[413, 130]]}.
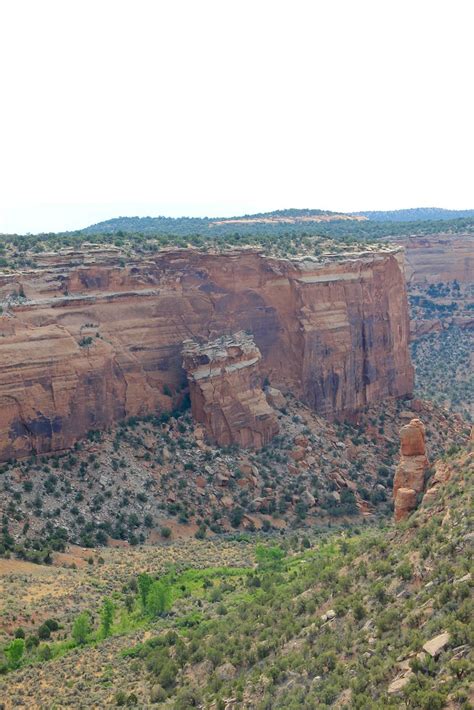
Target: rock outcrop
{"points": [[86, 340], [409, 480], [225, 386], [443, 473], [275, 398]]}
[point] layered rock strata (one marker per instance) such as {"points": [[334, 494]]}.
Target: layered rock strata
{"points": [[225, 386], [439, 258], [86, 340], [409, 480]]}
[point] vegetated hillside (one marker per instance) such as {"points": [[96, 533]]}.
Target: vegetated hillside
{"points": [[444, 367], [354, 619], [155, 478], [417, 214], [442, 348], [434, 307]]}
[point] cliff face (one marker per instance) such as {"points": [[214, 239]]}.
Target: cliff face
{"points": [[439, 258], [440, 274], [226, 392], [92, 341]]}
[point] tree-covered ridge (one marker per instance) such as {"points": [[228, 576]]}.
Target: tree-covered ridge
{"points": [[271, 224], [192, 225], [416, 214], [293, 212]]}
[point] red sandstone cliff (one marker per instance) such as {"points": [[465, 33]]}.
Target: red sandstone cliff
{"points": [[226, 392], [439, 258], [94, 342]]}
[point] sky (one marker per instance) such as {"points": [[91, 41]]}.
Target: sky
{"points": [[224, 107]]}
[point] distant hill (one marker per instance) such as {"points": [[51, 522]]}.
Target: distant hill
{"points": [[149, 225], [324, 220], [196, 225], [417, 214]]}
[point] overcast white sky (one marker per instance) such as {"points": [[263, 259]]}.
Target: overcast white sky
{"points": [[220, 107]]}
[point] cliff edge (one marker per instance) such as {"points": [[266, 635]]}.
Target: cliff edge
{"points": [[86, 340]]}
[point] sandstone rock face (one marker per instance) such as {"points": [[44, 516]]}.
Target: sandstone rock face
{"points": [[405, 502], [95, 341], [439, 257], [226, 393], [409, 478]]}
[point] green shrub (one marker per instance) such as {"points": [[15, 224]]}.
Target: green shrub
{"points": [[81, 628], [158, 599], [14, 652]]}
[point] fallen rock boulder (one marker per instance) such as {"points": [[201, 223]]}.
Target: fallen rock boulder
{"points": [[399, 683], [437, 644]]}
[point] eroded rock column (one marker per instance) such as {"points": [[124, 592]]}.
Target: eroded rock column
{"points": [[409, 478]]}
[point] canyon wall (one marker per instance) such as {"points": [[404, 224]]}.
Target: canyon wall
{"points": [[86, 340], [433, 264], [439, 258]]}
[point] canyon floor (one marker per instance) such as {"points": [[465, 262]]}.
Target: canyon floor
{"points": [[364, 617], [262, 541], [156, 479]]}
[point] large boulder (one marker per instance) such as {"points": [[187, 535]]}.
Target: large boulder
{"points": [[437, 644], [226, 671]]}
